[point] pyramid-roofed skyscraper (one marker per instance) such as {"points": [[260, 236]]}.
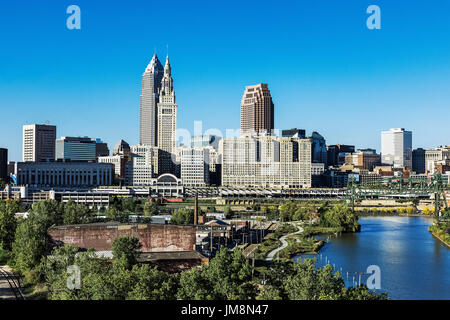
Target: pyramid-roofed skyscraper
{"points": [[151, 85]]}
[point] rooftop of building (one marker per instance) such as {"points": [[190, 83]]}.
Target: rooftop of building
{"points": [[117, 225]]}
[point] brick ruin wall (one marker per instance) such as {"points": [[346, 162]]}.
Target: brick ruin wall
{"points": [[154, 238]]}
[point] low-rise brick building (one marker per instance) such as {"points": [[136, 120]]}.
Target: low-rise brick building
{"points": [[100, 236]]}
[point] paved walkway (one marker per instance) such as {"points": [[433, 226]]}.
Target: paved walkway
{"points": [[284, 244], [5, 290]]}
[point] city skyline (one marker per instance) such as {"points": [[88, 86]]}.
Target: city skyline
{"points": [[391, 73]]}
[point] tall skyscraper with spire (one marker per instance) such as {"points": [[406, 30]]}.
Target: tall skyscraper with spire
{"points": [[167, 112], [151, 84]]}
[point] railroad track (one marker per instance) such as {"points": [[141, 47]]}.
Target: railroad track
{"points": [[14, 284]]}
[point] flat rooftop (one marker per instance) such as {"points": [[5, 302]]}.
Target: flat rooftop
{"points": [[119, 225]]}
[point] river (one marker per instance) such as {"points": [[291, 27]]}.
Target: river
{"points": [[413, 264]]}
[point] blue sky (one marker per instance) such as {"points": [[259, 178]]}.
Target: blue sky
{"points": [[326, 71]]}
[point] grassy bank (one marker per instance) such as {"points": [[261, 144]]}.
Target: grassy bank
{"points": [[441, 231], [316, 230], [299, 244], [272, 241]]}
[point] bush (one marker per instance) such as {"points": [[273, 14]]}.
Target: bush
{"points": [[127, 248], [4, 256], [182, 216]]}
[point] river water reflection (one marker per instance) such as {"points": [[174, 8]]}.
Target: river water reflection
{"points": [[414, 265]]}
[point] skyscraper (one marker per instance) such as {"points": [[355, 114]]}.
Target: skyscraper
{"points": [[418, 160], [257, 110], [167, 112], [319, 148], [396, 148], [151, 84], [4, 164], [39, 142]]}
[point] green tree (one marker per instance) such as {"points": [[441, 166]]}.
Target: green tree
{"points": [[50, 212], [30, 243], [151, 284], [139, 209], [128, 248], [311, 283], [129, 205], [113, 214], [195, 285], [340, 216], [101, 280], [115, 203], [363, 293], [270, 293], [75, 213], [228, 277], [287, 211], [8, 223], [182, 216], [150, 209], [96, 283], [228, 212]]}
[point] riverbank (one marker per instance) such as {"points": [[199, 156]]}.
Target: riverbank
{"points": [[441, 232], [301, 245], [393, 214], [412, 261], [305, 243]]}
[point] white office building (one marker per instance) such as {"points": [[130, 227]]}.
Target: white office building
{"points": [[194, 166], [266, 161], [139, 171], [396, 148], [38, 142]]}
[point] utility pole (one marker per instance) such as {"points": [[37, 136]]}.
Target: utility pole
{"points": [[196, 209], [253, 263], [211, 239], [261, 232]]}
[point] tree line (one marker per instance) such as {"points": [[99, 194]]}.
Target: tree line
{"points": [[338, 216], [229, 276]]}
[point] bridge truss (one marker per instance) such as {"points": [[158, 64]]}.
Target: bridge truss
{"points": [[400, 188]]}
